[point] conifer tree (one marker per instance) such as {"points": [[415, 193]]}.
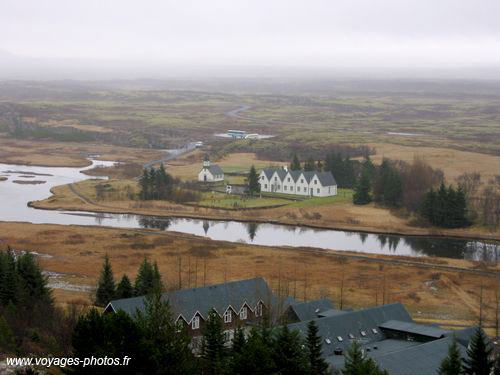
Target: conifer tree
{"points": [[124, 289], [253, 182], [166, 345], [357, 364], [238, 362], [147, 278], [106, 285], [213, 352], [478, 361], [295, 166], [317, 365], [309, 165], [31, 281], [288, 355], [452, 364], [257, 357], [362, 191], [9, 281]]}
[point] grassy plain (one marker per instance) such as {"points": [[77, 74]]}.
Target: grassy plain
{"points": [[337, 212], [445, 291], [68, 154]]}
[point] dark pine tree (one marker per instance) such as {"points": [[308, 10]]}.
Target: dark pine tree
{"points": [[295, 166], [288, 355], [309, 165], [362, 190], [357, 364], [317, 365], [9, 281], [257, 354], [166, 345], [106, 285], [479, 360], [452, 363], [253, 185], [124, 289], [145, 281], [213, 352]]}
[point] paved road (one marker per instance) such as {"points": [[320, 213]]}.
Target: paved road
{"points": [[172, 154]]}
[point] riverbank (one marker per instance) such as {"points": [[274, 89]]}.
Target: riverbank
{"points": [[337, 216], [433, 289]]}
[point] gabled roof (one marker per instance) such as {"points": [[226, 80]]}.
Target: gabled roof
{"points": [[326, 178], [268, 172], [312, 309], [308, 175], [187, 302], [353, 323], [295, 175], [414, 328], [215, 169]]}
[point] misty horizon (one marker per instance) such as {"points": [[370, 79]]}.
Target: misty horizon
{"points": [[166, 39]]}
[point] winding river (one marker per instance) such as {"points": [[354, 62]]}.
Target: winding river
{"points": [[29, 183]]}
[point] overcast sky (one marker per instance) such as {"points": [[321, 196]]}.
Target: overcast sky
{"points": [[305, 33]]}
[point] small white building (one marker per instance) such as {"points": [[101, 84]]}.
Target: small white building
{"points": [[210, 172], [310, 183]]}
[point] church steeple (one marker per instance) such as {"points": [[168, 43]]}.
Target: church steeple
{"points": [[206, 161]]}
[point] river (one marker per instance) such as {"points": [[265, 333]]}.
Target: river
{"points": [[15, 196]]}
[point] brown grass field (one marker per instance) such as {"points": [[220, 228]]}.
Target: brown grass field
{"points": [[53, 154], [445, 291]]}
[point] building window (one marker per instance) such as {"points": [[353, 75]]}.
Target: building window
{"points": [[258, 312], [195, 324], [288, 179], [315, 182], [301, 180], [305, 189], [243, 313], [227, 316], [317, 190], [291, 188], [374, 330], [262, 177], [265, 186], [286, 187], [363, 333], [275, 178]]}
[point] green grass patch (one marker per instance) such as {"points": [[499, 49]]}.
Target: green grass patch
{"points": [[343, 196], [235, 201]]}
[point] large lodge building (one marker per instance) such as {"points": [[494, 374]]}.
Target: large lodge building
{"points": [[308, 183]]}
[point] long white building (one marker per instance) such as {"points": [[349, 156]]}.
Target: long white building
{"points": [[311, 183]]}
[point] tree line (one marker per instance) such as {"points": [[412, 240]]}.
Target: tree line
{"points": [[157, 184], [148, 279]]}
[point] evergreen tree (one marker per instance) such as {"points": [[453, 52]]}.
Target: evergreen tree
{"points": [[288, 355], [106, 285], [295, 166], [9, 281], [452, 364], [124, 288], [148, 278], [213, 351], [32, 283], [357, 364], [362, 190], [427, 206], [112, 335], [166, 345], [309, 165], [253, 182], [319, 166], [317, 365], [7, 341], [368, 167], [478, 360], [238, 362]]}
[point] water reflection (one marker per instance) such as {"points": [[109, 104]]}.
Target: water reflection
{"points": [[154, 222], [14, 199], [252, 230]]}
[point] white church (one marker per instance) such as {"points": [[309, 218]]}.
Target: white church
{"points": [[210, 172], [311, 183]]}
